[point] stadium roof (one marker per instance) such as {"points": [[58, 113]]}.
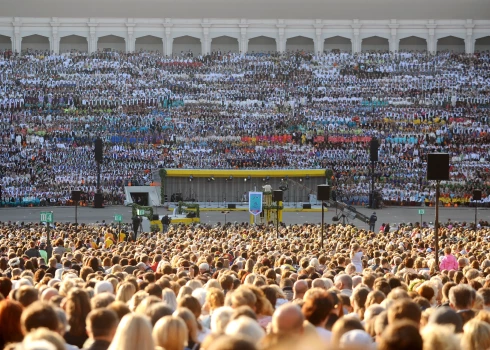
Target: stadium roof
{"points": [[252, 9]]}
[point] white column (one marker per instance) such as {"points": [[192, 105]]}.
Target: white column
{"points": [[243, 43], [130, 39], [469, 42], [356, 39], [92, 39], [168, 42], [54, 40], [206, 40], [431, 42], [281, 39], [319, 41], [17, 40], [394, 41]]}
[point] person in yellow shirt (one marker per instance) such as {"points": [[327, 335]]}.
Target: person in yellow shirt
{"points": [[122, 236], [108, 242]]}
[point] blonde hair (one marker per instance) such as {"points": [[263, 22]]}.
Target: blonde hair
{"points": [[476, 335], [170, 333], [133, 332], [188, 317], [125, 292], [47, 335], [439, 337], [168, 297]]}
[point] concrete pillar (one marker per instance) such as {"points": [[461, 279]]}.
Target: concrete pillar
{"points": [[394, 41], [54, 41], [356, 37], [281, 38], [243, 42], [319, 41], [469, 42], [431, 42], [17, 40], [168, 41], [130, 39], [92, 39], [206, 40]]}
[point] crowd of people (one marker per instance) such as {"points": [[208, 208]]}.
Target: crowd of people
{"points": [[228, 111], [244, 287]]}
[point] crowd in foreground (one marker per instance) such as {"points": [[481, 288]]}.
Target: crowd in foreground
{"points": [[241, 287], [252, 111]]}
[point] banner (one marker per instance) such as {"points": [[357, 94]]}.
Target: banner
{"points": [[255, 202]]}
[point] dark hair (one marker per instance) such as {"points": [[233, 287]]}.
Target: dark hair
{"points": [[39, 315], [10, 314], [404, 309], [317, 306], [401, 335], [102, 322]]}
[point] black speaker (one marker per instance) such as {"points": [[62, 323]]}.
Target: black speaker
{"points": [[277, 196], [373, 149], [231, 206], [99, 150], [75, 195], [477, 195], [99, 200], [323, 192], [438, 166], [306, 206]]}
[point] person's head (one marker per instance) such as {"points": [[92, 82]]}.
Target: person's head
{"points": [[317, 306], [476, 335], [215, 298], [343, 281], [300, 287], [245, 327], [102, 324], [26, 295], [190, 321], [288, 319], [10, 326], [39, 315], [446, 316], [461, 297], [439, 337], [170, 333], [404, 309], [77, 307], [125, 291], [5, 286], [342, 326], [220, 319], [133, 332], [401, 335], [243, 296], [44, 336], [226, 342]]}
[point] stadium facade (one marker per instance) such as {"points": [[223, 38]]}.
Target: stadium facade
{"points": [[204, 35]]}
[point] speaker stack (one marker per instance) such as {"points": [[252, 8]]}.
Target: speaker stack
{"points": [[323, 192], [373, 149], [277, 196], [438, 166]]}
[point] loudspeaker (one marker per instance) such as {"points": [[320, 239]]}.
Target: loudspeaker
{"points": [[323, 192], [75, 195], [477, 195], [98, 200], [373, 149], [99, 150], [231, 206], [306, 206], [438, 166], [277, 196]]}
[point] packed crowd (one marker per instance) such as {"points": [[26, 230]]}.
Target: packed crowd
{"points": [[229, 111], [240, 287]]}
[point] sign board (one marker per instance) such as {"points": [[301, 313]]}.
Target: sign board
{"points": [[140, 212], [47, 216], [118, 218], [255, 202], [421, 211]]}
